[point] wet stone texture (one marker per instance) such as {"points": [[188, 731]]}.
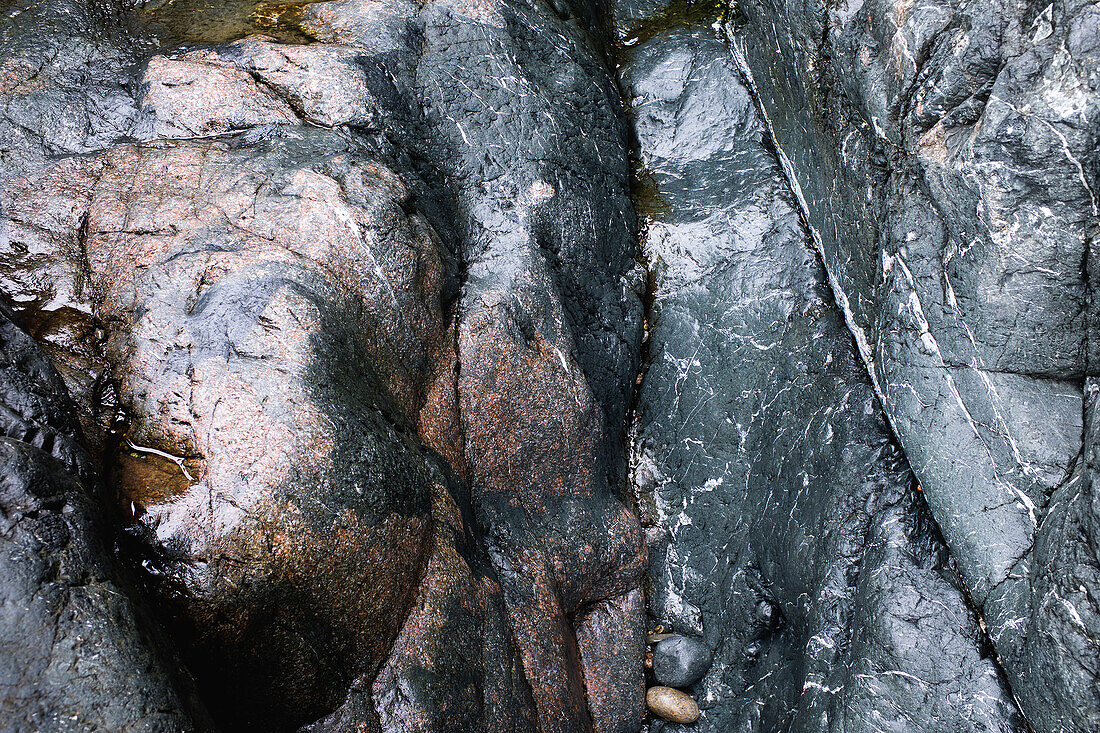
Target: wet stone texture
{"points": [[76, 654], [947, 156], [681, 661], [786, 525], [547, 341], [247, 341], [272, 387], [529, 181], [348, 300], [363, 499]]}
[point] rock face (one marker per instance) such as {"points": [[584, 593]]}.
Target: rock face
{"points": [[302, 414], [548, 328], [247, 339], [789, 529], [947, 155], [77, 654], [348, 296]]}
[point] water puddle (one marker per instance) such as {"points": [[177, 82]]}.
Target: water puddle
{"points": [[186, 22], [679, 14]]}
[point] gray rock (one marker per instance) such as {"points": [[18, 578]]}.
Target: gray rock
{"points": [[352, 315], [681, 661], [946, 156], [527, 180], [293, 402], [787, 529], [65, 69]]}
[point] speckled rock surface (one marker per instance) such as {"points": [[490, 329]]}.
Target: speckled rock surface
{"points": [[520, 119], [368, 498], [672, 705], [349, 299], [245, 338]]}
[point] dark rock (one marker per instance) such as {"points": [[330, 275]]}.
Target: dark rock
{"points": [[273, 389], [64, 91], [529, 177], [76, 653], [681, 661], [787, 531], [946, 154], [64, 73], [547, 336], [351, 312]]}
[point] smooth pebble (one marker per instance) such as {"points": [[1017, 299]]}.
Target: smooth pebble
{"points": [[672, 705]]}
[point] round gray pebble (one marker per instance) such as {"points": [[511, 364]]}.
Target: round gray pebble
{"points": [[680, 661]]}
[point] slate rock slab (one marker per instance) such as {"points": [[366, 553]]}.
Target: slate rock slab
{"points": [[787, 530], [946, 158]]}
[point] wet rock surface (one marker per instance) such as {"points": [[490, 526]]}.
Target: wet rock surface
{"points": [[248, 342], [366, 406], [343, 473], [788, 529], [76, 653], [947, 159], [680, 661]]}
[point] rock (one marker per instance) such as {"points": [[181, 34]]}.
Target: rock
{"points": [[305, 446], [78, 653], [65, 90], [785, 521], [927, 144], [453, 666], [672, 705], [680, 661], [352, 314], [530, 182], [247, 340], [65, 80], [282, 407], [189, 96]]}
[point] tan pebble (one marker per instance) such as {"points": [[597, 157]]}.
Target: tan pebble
{"points": [[672, 705]]}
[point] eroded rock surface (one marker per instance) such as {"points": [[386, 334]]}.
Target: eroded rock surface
{"points": [[248, 339], [947, 156], [522, 124], [349, 300], [263, 329], [76, 653], [790, 533]]}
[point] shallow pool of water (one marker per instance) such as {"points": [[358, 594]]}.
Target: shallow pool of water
{"points": [[185, 22]]}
